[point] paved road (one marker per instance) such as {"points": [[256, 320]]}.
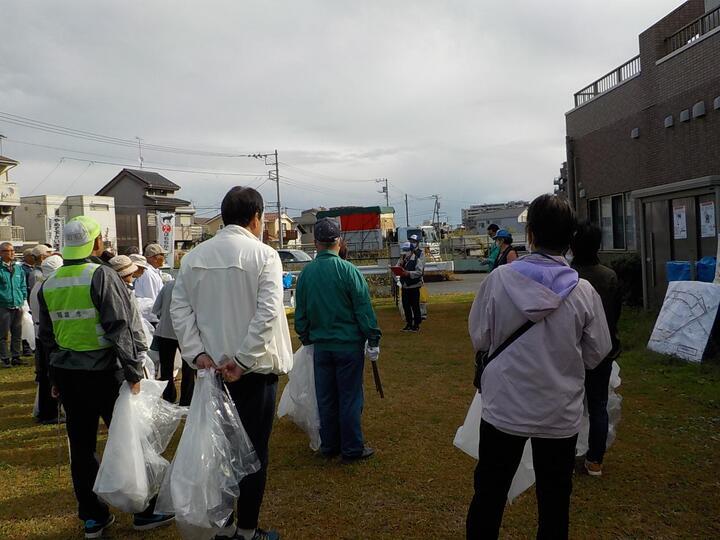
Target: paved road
{"points": [[461, 283]]}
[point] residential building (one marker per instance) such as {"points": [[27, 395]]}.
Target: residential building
{"points": [[642, 147], [187, 232], [210, 226], [271, 230], [505, 215], [9, 200], [305, 224], [139, 196], [37, 214]]}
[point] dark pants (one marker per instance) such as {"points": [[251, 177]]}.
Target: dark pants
{"points": [[10, 323], [500, 453], [47, 405], [254, 397], [339, 389], [187, 384], [596, 392], [411, 306], [166, 351]]}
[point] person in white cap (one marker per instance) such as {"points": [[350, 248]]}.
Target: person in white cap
{"points": [[47, 404], [141, 263], [86, 315], [149, 284]]}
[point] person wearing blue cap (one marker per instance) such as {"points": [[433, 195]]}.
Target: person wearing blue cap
{"points": [[86, 328], [412, 262], [507, 253], [333, 312]]}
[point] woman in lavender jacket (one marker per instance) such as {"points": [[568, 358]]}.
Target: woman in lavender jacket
{"points": [[535, 387]]}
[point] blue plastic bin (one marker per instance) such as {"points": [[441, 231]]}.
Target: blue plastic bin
{"points": [[705, 269], [678, 270]]}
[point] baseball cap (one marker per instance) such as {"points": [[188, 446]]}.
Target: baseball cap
{"points": [[503, 233], [80, 234], [41, 250], [49, 265], [326, 231], [123, 265], [154, 249], [139, 260], [414, 237]]}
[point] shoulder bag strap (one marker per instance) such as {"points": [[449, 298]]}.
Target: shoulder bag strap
{"points": [[519, 332]]}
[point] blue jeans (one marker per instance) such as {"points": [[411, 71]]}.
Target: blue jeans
{"points": [[339, 388], [596, 391]]}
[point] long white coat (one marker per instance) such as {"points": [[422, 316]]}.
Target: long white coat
{"points": [[228, 301]]}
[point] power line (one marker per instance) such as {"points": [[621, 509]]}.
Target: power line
{"points": [[328, 177], [189, 171]]}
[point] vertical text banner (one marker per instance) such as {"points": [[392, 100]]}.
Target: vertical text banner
{"points": [[54, 236], [166, 236]]}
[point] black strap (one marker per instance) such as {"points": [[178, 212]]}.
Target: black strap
{"points": [[519, 332]]}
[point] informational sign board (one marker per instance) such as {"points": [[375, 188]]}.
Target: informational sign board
{"points": [[707, 219], [54, 235], [679, 222], [166, 235], [686, 319]]}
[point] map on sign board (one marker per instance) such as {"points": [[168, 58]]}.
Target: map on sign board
{"points": [[686, 320]]}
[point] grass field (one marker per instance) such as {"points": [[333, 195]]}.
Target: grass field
{"points": [[661, 476]]}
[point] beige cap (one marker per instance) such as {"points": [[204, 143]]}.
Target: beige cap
{"points": [[139, 260], [123, 265], [154, 249], [41, 250]]}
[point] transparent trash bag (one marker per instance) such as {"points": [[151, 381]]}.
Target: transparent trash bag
{"points": [[132, 466], [467, 439], [28, 328], [298, 400], [213, 455]]}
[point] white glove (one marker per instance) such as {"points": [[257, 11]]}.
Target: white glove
{"points": [[372, 352]]}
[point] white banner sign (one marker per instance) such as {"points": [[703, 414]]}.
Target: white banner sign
{"points": [[55, 228], [166, 236]]}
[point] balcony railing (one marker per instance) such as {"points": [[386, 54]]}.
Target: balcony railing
{"points": [[12, 233], [603, 84], [694, 30]]}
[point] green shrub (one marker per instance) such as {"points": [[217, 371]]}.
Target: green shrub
{"points": [[629, 272]]}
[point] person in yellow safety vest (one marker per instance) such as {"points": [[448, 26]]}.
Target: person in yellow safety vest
{"points": [[86, 327]]}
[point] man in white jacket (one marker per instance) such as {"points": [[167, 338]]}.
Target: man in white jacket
{"points": [[227, 311]]}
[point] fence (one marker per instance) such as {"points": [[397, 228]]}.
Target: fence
{"points": [[622, 73], [694, 30]]}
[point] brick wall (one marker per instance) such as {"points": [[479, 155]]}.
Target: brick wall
{"points": [[608, 160]]}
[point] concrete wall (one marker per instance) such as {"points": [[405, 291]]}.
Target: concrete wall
{"points": [[33, 212]]}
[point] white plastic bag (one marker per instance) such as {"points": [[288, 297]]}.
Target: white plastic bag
{"points": [[28, 328], [132, 466], [467, 439], [299, 400], [614, 413], [214, 454]]}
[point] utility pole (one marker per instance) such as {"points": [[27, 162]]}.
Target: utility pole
{"points": [[1, 140], [276, 177], [407, 213], [140, 158], [384, 190], [436, 211]]}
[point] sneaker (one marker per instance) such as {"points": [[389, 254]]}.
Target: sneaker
{"points": [[94, 529], [52, 421], [19, 362], [152, 522], [415, 329], [592, 468], [408, 328], [366, 453], [5, 363], [264, 535]]}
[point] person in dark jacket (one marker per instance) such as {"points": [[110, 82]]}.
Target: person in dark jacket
{"points": [[86, 314], [412, 262], [585, 246], [506, 252]]}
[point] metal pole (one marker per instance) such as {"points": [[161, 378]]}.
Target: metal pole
{"points": [[277, 179], [387, 193], [407, 213]]}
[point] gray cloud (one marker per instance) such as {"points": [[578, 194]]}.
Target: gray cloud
{"points": [[462, 98]]}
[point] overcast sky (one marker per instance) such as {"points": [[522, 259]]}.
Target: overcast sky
{"points": [[465, 99]]}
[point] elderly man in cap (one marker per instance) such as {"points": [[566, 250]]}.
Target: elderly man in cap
{"points": [[28, 266], [148, 285], [334, 313], [86, 314], [227, 311], [13, 293], [141, 263]]}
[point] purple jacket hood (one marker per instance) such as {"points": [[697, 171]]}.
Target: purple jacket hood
{"points": [[537, 284]]}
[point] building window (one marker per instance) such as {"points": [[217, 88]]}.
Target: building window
{"points": [[99, 207], [615, 216]]}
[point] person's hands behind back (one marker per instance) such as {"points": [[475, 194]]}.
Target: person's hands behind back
{"points": [[230, 369], [203, 361]]}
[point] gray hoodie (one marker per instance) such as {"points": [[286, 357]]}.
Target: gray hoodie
{"points": [[535, 387]]}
